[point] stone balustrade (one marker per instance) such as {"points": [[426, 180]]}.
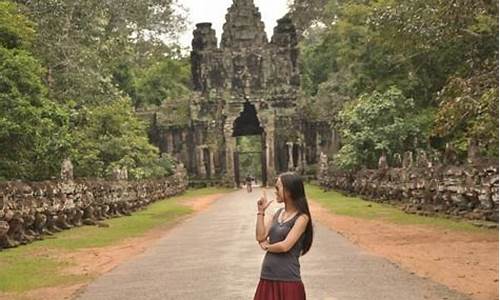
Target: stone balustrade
{"points": [[469, 191], [32, 210]]}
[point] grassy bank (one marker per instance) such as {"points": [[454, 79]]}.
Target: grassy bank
{"points": [[38, 265], [359, 208]]}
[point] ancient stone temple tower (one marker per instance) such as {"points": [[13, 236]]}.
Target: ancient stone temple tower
{"points": [[247, 85]]}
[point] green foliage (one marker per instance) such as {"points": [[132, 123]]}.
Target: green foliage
{"points": [[164, 80], [377, 123], [16, 31], [250, 162], [33, 129], [82, 43], [439, 54], [111, 136], [468, 109], [91, 55]]}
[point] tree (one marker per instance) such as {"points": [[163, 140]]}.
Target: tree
{"points": [[16, 31], [379, 123], [82, 42], [305, 13], [111, 136], [92, 120], [33, 129], [468, 110], [439, 54], [164, 80]]}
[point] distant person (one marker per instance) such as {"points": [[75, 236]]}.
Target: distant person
{"points": [[248, 183], [285, 238]]}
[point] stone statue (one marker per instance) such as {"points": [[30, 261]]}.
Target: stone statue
{"points": [[382, 162], [450, 154], [67, 170], [408, 160], [397, 160], [422, 161], [124, 173], [473, 151], [116, 173]]}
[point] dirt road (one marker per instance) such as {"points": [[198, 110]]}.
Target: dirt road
{"points": [[213, 255]]}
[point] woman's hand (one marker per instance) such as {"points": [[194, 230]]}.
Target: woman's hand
{"points": [[263, 203], [264, 245]]}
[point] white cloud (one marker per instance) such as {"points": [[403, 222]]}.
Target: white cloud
{"points": [[214, 11]]}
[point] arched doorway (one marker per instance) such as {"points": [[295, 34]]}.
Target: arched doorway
{"points": [[250, 154]]}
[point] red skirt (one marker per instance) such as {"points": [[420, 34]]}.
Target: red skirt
{"points": [[280, 290]]}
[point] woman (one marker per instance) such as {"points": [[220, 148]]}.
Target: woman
{"points": [[284, 238]]}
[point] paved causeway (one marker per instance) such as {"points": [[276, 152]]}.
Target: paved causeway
{"points": [[213, 256]]}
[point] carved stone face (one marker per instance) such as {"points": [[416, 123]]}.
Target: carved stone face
{"points": [[4, 228]]}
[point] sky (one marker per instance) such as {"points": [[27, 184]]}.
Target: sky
{"points": [[214, 11]]}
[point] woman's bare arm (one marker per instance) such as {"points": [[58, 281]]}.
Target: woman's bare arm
{"points": [[262, 230], [293, 236], [262, 226]]}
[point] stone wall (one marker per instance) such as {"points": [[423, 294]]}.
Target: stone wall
{"points": [[31, 210], [469, 191]]}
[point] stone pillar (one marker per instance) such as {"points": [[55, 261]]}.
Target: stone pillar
{"points": [[319, 149], [290, 156], [212, 164], [200, 162], [230, 148], [184, 150], [170, 142], [335, 141], [299, 159], [302, 157], [270, 152]]}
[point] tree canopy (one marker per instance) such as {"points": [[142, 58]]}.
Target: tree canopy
{"points": [[443, 55], [69, 84]]}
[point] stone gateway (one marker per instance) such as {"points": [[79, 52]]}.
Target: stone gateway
{"points": [[247, 86]]}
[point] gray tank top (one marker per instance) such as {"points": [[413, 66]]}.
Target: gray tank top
{"points": [[282, 266]]}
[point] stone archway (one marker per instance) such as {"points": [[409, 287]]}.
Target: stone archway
{"points": [[248, 124], [246, 84]]}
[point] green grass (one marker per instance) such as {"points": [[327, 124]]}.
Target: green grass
{"points": [[38, 265], [359, 208], [159, 213], [205, 192], [22, 270]]}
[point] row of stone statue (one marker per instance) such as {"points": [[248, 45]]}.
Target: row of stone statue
{"points": [[31, 210], [428, 159], [469, 191]]}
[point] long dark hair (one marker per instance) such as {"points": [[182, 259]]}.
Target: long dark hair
{"points": [[293, 184]]}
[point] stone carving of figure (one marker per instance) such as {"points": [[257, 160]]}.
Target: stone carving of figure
{"points": [[472, 151], [382, 162], [116, 173], [124, 173], [422, 161], [408, 160], [397, 160], [323, 165], [67, 170], [450, 154]]}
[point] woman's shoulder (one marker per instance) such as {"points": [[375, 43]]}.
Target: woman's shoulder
{"points": [[303, 216]]}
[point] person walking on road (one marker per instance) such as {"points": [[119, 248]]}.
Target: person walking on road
{"points": [[286, 237], [248, 183]]}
